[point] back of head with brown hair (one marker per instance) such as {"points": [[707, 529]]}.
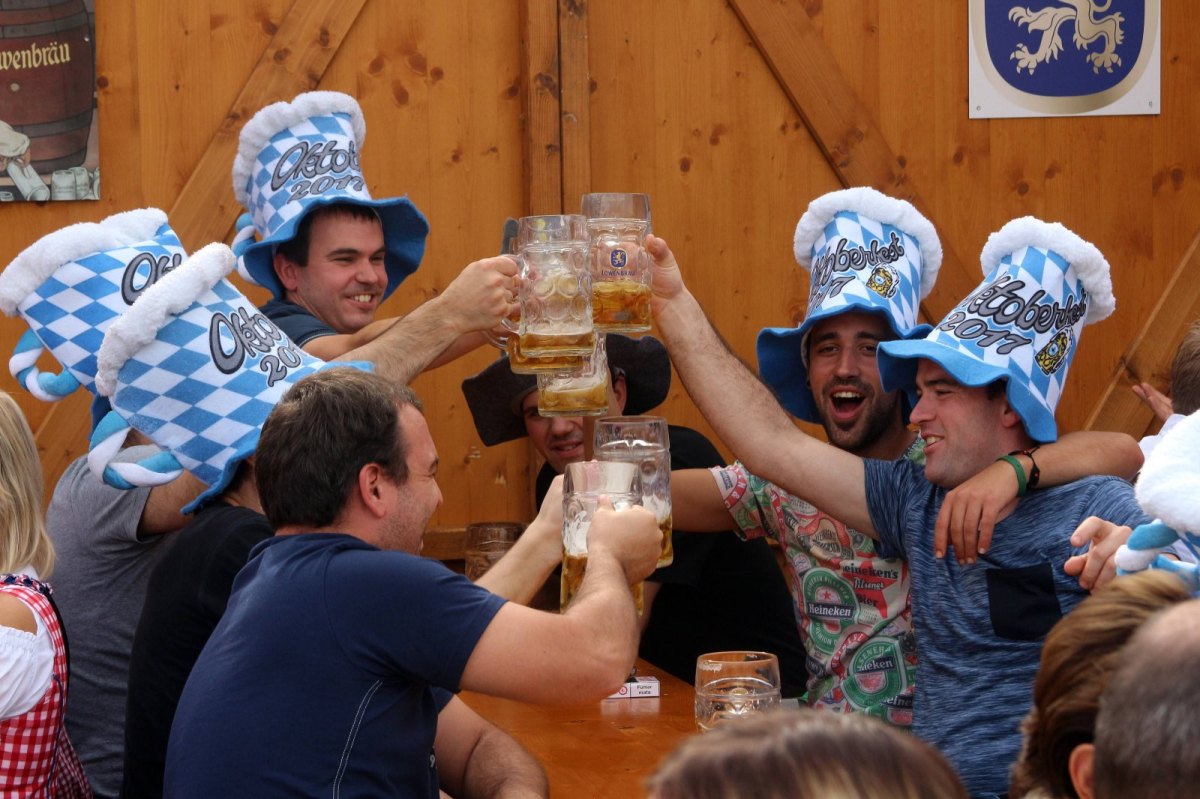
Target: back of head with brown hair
{"points": [[1185, 373], [1078, 658], [805, 754], [1148, 730], [324, 430]]}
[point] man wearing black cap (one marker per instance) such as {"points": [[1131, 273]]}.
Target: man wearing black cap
{"points": [[719, 593]]}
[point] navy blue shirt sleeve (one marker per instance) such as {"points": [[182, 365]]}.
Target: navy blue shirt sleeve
{"points": [[296, 323]]}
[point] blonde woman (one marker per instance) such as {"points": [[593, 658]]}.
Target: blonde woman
{"points": [[805, 754], [36, 757]]}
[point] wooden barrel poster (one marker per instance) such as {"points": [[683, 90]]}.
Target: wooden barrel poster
{"points": [[48, 141]]}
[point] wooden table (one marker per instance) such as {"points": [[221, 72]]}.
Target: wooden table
{"points": [[601, 749]]}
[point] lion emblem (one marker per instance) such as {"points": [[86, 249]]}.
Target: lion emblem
{"points": [[1090, 28]]}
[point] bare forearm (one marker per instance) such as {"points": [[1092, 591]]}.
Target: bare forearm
{"points": [[521, 572], [500, 768], [696, 502], [1082, 454], [407, 347], [604, 610]]}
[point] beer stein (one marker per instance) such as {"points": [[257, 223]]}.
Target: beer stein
{"points": [[580, 393], [584, 483], [617, 225], [642, 440], [555, 288], [735, 685]]}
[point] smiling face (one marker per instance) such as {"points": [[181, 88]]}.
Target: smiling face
{"points": [[965, 427], [419, 496], [559, 439], [844, 376], [345, 278]]}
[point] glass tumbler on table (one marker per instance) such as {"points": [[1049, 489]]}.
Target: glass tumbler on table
{"points": [[735, 685]]}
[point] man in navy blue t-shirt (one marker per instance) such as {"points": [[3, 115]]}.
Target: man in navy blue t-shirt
{"points": [[986, 382], [333, 668]]}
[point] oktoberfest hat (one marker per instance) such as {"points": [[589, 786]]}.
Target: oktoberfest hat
{"points": [[865, 252], [1168, 489], [1042, 284], [196, 368], [71, 285], [298, 156], [495, 394]]}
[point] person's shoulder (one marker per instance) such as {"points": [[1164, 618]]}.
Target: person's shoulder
{"points": [[691, 449]]}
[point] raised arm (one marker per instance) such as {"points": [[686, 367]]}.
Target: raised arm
{"points": [[448, 325], [523, 570], [971, 511], [743, 411], [477, 760], [585, 653]]}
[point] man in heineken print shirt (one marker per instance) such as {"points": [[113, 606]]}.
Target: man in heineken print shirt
{"points": [[851, 605]]}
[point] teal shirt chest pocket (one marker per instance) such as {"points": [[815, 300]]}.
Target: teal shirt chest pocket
{"points": [[1022, 602]]}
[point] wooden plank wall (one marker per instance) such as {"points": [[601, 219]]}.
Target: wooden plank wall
{"points": [[673, 98]]}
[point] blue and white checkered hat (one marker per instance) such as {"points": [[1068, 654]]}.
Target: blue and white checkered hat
{"points": [[1042, 284], [70, 285], [1168, 489], [866, 252], [196, 368], [294, 157]]}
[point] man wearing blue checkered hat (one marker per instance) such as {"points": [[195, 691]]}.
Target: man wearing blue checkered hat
{"points": [[981, 620], [330, 254], [70, 286]]}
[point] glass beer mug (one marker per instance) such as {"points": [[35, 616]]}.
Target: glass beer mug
{"points": [[555, 288], [584, 483], [642, 440], [580, 393], [617, 225]]}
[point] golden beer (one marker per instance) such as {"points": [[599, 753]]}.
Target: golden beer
{"points": [[523, 364], [558, 344], [573, 567], [667, 556], [621, 306], [586, 401]]}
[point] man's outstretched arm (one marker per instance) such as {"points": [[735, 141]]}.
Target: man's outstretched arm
{"points": [[743, 412]]}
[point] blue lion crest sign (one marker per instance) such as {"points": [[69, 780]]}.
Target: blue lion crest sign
{"points": [[1064, 57]]}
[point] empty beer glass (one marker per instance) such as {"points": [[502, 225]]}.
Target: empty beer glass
{"points": [[555, 287], [642, 440], [486, 543], [580, 393], [617, 225], [735, 685], [584, 483]]}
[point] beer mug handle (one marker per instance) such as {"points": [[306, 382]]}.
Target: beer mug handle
{"points": [[155, 469], [23, 366]]}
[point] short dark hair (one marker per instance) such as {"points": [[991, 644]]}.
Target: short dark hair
{"points": [[1185, 373], [295, 249], [1148, 730], [320, 435]]}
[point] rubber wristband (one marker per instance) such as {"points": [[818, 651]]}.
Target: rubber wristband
{"points": [[1035, 474], [1020, 471]]}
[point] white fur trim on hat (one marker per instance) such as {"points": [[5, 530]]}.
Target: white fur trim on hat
{"points": [[282, 115], [1088, 262], [880, 207], [1169, 485], [41, 259], [171, 295]]}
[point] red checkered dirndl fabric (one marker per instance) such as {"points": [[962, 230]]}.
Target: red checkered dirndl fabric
{"points": [[36, 756]]}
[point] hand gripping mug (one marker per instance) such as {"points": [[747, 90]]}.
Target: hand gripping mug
{"points": [[584, 483]]}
